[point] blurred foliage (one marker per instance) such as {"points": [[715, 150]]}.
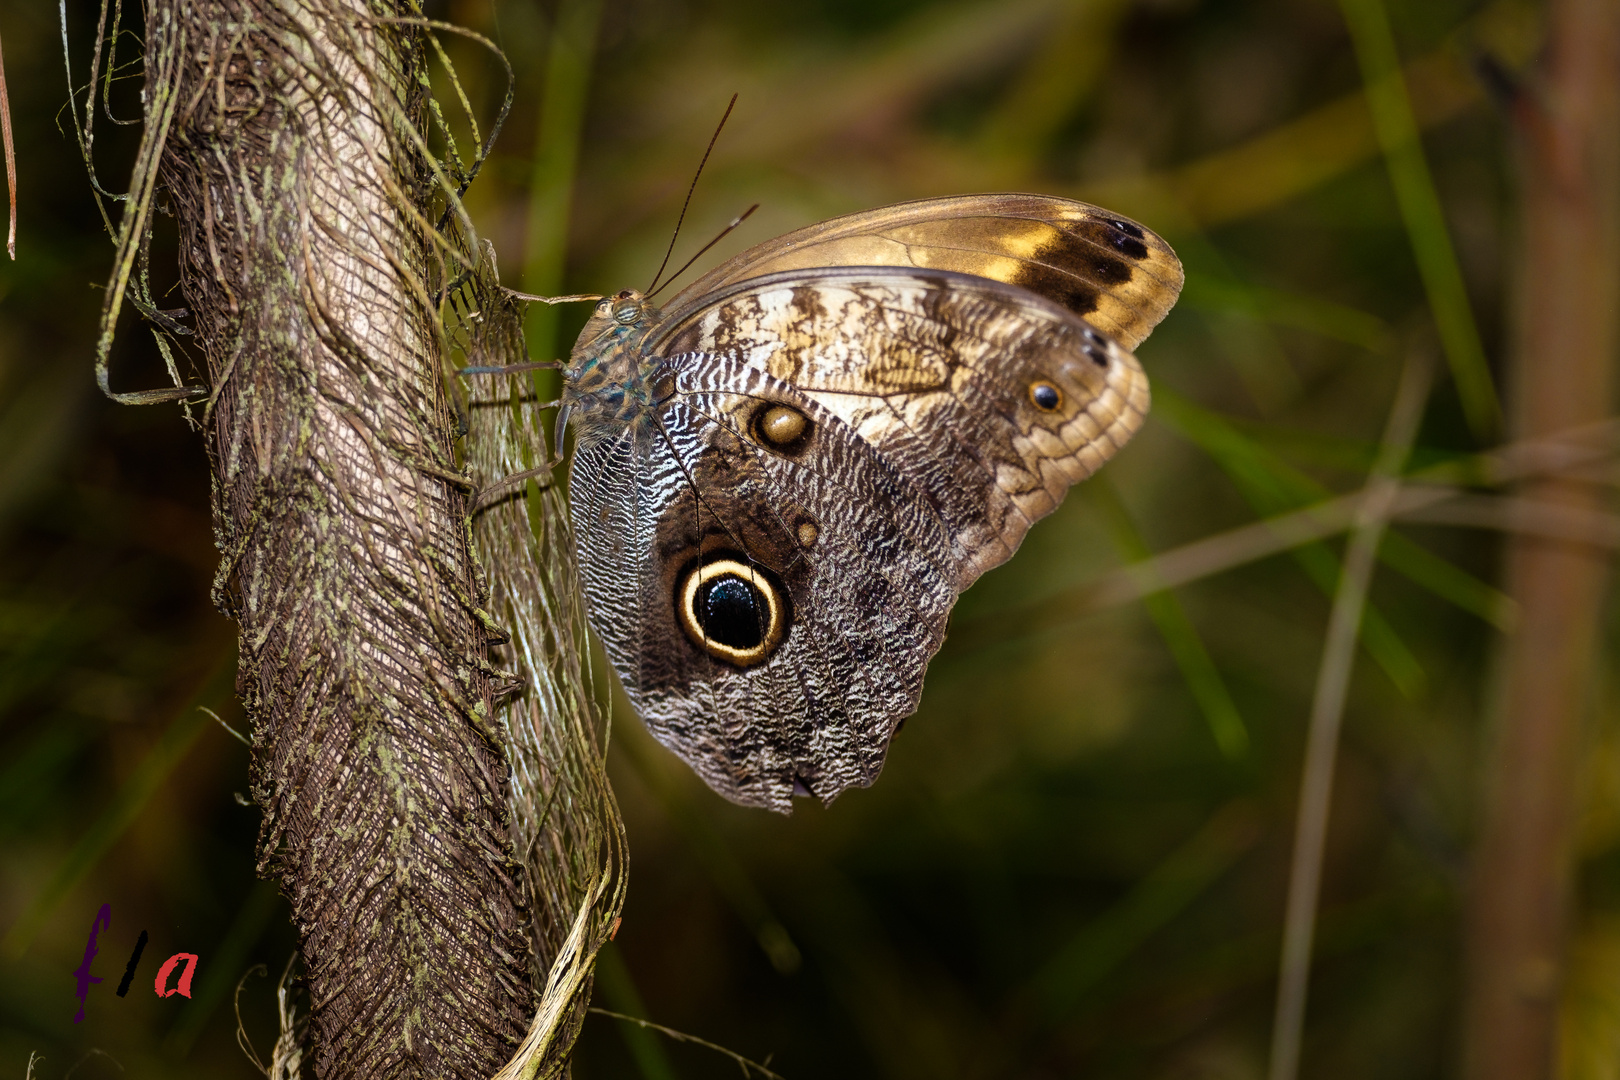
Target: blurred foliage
{"points": [[1075, 861]]}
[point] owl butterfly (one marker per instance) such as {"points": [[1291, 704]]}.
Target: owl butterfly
{"points": [[783, 479]]}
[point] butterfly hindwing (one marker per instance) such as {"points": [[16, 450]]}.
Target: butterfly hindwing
{"points": [[815, 710], [946, 376]]}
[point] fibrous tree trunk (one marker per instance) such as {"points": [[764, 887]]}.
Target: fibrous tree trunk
{"points": [[285, 134], [1567, 115]]}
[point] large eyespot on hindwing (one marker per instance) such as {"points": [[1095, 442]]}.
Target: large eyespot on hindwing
{"points": [[735, 612]]}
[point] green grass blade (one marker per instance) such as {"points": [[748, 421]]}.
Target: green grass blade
{"points": [[1235, 329], [1285, 161], [125, 807], [1448, 581], [1323, 450], [1203, 677], [1396, 127], [1337, 322], [1271, 488], [1378, 637], [613, 978], [1100, 947], [1262, 467], [551, 178]]}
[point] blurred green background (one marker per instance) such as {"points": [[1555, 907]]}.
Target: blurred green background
{"points": [[1076, 859]]}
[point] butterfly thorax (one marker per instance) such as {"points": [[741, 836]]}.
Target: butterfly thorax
{"points": [[610, 383]]}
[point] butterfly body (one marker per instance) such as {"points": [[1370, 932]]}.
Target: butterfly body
{"points": [[611, 382], [783, 480]]}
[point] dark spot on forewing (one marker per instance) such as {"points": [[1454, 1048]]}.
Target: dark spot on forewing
{"points": [[1081, 255], [1129, 227], [1083, 260], [1055, 285], [1134, 248], [1109, 235]]}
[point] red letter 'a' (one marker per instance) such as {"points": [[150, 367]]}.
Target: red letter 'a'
{"points": [[183, 987]]}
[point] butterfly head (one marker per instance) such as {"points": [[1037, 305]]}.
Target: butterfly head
{"points": [[614, 330], [625, 314]]}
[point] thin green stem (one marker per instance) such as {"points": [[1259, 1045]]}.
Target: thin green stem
{"points": [[1327, 715], [556, 156], [1396, 126], [1180, 636]]}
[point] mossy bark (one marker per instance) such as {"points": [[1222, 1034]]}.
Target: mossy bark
{"points": [[305, 202]]}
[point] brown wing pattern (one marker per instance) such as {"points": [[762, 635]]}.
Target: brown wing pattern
{"points": [[783, 480], [992, 400], [864, 566], [1117, 275]]}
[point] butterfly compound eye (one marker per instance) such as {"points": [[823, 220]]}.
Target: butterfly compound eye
{"points": [[1045, 397], [732, 611]]}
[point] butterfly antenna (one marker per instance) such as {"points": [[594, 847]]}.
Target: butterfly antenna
{"points": [[736, 221], [712, 140]]}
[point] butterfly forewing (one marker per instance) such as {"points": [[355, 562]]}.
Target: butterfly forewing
{"points": [[1117, 275]]}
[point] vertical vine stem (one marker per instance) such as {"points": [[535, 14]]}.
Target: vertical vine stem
{"points": [[1562, 368], [1327, 713], [11, 162], [291, 142]]}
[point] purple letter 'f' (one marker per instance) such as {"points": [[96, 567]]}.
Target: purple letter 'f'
{"points": [[103, 922]]}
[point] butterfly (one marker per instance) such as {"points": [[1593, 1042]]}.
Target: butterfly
{"points": [[783, 479]]}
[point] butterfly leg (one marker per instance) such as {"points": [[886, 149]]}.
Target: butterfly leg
{"points": [[508, 486]]}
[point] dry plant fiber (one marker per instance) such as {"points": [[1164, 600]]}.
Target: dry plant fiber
{"points": [[448, 914]]}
